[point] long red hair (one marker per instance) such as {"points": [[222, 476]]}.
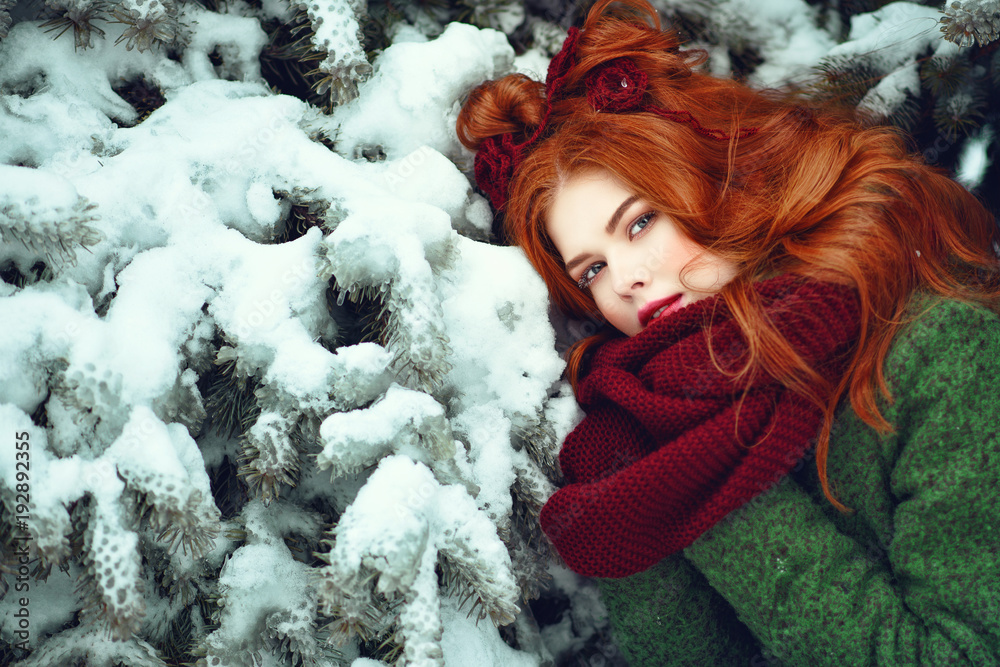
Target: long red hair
{"points": [[813, 192]]}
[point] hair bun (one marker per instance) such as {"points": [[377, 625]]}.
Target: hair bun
{"points": [[514, 103]]}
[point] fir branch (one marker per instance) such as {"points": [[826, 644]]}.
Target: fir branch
{"points": [[258, 615], [360, 314], [110, 583], [906, 115], [271, 455], [459, 583], [531, 568], [306, 210], [389, 650], [844, 79], [177, 524], [959, 114], [483, 13], [229, 493], [50, 542], [342, 65], [357, 616], [403, 420], [539, 440], [943, 75], [148, 23], [79, 513], [420, 345], [167, 504], [89, 646], [968, 22], [54, 232], [183, 404], [11, 274], [180, 640], [7, 656], [8, 552], [288, 633], [231, 404], [281, 58], [80, 19], [5, 21], [301, 218], [460, 566], [529, 491], [169, 582], [291, 62], [382, 16], [429, 524], [170, 624]]}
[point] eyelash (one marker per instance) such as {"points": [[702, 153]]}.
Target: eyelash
{"points": [[584, 282]]}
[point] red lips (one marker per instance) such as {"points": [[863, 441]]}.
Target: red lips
{"points": [[646, 312]]}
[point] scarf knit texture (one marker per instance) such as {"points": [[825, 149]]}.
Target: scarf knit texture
{"points": [[670, 444]]}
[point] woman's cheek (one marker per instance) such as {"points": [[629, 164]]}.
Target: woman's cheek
{"points": [[619, 314]]}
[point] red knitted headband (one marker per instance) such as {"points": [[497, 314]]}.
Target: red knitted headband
{"points": [[617, 86]]}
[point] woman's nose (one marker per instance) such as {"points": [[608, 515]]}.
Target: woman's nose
{"points": [[628, 280]]}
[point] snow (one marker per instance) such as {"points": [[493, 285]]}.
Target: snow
{"points": [[402, 420], [791, 39], [389, 240], [893, 38], [240, 39], [493, 302], [34, 192], [787, 33], [146, 443], [400, 107], [400, 522], [534, 63], [39, 325], [73, 87], [53, 602], [255, 604], [890, 93], [585, 616], [974, 159], [160, 294], [427, 176], [488, 432], [360, 373], [465, 642], [892, 32]]}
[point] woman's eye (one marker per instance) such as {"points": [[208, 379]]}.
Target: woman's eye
{"points": [[641, 222], [589, 274]]}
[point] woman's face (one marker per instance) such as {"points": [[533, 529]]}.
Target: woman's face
{"points": [[629, 256]]}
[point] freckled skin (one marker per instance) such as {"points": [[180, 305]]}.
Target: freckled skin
{"points": [[639, 262]]}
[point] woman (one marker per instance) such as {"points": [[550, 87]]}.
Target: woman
{"points": [[791, 451]]}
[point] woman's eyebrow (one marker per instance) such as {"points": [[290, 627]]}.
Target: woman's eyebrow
{"points": [[609, 228], [619, 212]]}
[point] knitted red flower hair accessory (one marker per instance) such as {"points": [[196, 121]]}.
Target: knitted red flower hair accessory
{"points": [[616, 86]]}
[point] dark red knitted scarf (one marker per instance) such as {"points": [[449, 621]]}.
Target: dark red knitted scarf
{"points": [[668, 448]]}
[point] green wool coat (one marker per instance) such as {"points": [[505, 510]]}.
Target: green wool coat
{"points": [[911, 577]]}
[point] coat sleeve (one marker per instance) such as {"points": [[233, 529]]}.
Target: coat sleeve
{"points": [[668, 615], [931, 594]]}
